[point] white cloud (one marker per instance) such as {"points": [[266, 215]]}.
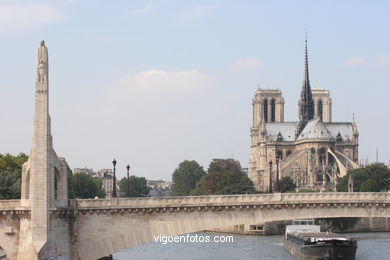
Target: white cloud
{"points": [[197, 12], [353, 62], [247, 64], [17, 17], [141, 10]]}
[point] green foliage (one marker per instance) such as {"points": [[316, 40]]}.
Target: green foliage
{"points": [[373, 178], [10, 185], [10, 163], [10, 172], [185, 178], [369, 185], [286, 184], [138, 186], [224, 176], [71, 192], [84, 186]]}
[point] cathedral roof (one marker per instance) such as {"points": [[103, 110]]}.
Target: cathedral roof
{"points": [[286, 131], [315, 129], [345, 130]]}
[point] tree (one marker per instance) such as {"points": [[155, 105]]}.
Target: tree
{"points": [[369, 185], [286, 184], [10, 172], [138, 187], [185, 178], [224, 176], [84, 186], [373, 178], [10, 163], [10, 185]]}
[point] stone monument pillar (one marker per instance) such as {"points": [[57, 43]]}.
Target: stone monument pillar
{"points": [[44, 180]]}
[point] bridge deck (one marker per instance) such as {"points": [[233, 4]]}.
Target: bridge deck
{"points": [[226, 200]]}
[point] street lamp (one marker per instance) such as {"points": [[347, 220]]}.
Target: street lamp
{"points": [[270, 176], [277, 189], [128, 180], [114, 181]]}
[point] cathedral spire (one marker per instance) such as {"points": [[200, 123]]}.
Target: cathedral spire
{"points": [[306, 82], [306, 104]]}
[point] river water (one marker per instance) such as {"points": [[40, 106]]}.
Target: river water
{"points": [[371, 246]]}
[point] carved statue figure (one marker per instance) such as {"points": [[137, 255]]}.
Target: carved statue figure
{"points": [[42, 63]]}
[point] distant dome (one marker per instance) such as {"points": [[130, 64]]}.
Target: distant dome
{"points": [[315, 129]]}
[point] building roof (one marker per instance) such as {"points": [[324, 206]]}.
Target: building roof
{"points": [[344, 128], [287, 131], [315, 129]]}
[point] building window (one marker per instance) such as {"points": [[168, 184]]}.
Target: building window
{"points": [[322, 155], [265, 109], [279, 154], [319, 109], [272, 110]]}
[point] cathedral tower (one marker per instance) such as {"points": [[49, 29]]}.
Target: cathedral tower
{"points": [[322, 105], [268, 106]]}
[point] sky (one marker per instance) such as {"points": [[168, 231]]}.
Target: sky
{"points": [[153, 83]]}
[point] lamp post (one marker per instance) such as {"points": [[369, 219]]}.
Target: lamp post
{"points": [[277, 189], [114, 181], [128, 180], [270, 176]]}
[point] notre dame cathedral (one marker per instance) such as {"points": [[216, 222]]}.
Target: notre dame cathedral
{"points": [[314, 152]]}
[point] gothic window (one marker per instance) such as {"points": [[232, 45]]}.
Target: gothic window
{"points": [[322, 155], [265, 109], [319, 177], [272, 110], [279, 154], [319, 109]]}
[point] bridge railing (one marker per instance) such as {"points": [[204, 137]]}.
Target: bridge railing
{"points": [[215, 200]]}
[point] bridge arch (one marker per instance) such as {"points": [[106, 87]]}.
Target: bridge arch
{"points": [[103, 227]]}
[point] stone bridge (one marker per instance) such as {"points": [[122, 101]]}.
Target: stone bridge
{"points": [[100, 227]]}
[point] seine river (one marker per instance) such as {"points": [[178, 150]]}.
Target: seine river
{"points": [[371, 246]]}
